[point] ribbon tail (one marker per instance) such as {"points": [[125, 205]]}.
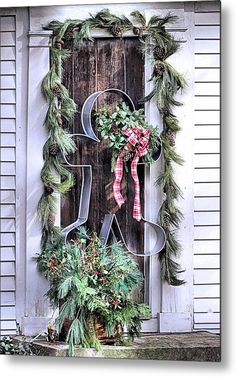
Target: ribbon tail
{"points": [[116, 185], [137, 206]]}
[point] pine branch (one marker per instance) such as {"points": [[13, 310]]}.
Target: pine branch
{"points": [[64, 141], [139, 17], [170, 270], [46, 206]]}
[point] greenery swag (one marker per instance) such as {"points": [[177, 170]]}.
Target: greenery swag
{"points": [[159, 45]]}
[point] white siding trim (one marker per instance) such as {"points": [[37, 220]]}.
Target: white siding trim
{"points": [[21, 136], [37, 310]]}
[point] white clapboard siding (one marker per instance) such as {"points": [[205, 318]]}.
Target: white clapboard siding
{"points": [[207, 204], [207, 132], [8, 38], [7, 211], [207, 305], [212, 88], [205, 103], [8, 53], [8, 168], [8, 182], [211, 31], [207, 60], [206, 321], [8, 110], [204, 189], [201, 261], [8, 196], [207, 318], [7, 298], [207, 167], [207, 74], [8, 312], [207, 146], [206, 247], [8, 67], [8, 253], [8, 95], [8, 81], [8, 154], [8, 139], [207, 18], [207, 117], [7, 268], [206, 218], [8, 125], [206, 175], [207, 46], [8, 172], [202, 160], [207, 276], [210, 290], [8, 325], [8, 23], [7, 225], [7, 239], [207, 232]]}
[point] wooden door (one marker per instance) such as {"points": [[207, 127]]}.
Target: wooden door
{"points": [[105, 63]]}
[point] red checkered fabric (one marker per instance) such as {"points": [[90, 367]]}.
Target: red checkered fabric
{"points": [[116, 185], [139, 138]]}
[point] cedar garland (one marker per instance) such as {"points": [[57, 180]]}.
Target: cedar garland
{"points": [[157, 43]]}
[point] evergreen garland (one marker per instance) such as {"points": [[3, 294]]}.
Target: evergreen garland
{"points": [[159, 45], [55, 177]]}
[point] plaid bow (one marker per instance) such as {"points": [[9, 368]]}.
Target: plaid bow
{"points": [[138, 138]]}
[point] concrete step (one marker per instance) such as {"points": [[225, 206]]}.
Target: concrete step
{"points": [[195, 346]]}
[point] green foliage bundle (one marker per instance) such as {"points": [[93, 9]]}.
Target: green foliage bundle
{"points": [[92, 281], [9, 346], [112, 124], [159, 45]]}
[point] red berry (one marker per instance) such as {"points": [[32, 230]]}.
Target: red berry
{"points": [[60, 41]]}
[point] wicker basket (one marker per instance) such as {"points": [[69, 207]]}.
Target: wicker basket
{"points": [[100, 332], [94, 324]]}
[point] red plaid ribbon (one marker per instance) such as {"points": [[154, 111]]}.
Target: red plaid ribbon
{"points": [[139, 138]]}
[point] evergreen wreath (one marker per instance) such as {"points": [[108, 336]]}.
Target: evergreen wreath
{"points": [[159, 45]]}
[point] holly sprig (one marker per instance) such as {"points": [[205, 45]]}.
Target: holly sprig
{"points": [[112, 123]]}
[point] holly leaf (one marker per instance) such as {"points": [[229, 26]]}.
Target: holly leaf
{"points": [[123, 114]]}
